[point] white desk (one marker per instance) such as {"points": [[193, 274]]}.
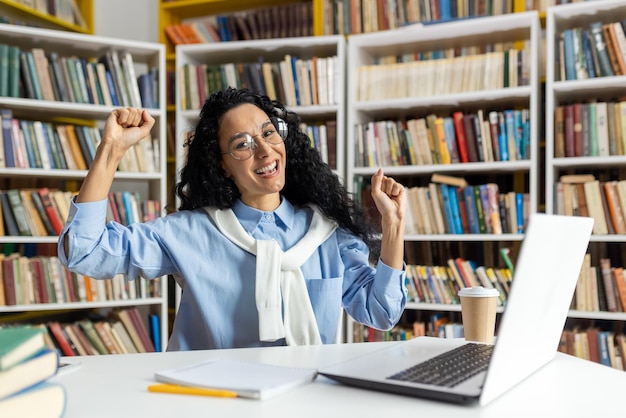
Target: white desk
{"points": [[115, 386]]}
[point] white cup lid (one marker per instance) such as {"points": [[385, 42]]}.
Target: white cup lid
{"points": [[478, 292]]}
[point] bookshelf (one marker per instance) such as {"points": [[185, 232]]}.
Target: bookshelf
{"points": [[564, 157], [369, 59], [77, 16], [148, 183], [175, 12], [224, 54]]}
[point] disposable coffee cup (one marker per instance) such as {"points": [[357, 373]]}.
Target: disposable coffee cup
{"points": [[478, 309]]}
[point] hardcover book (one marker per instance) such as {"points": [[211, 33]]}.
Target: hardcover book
{"points": [[28, 372], [46, 400], [18, 344]]}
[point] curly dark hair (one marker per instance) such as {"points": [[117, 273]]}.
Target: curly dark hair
{"points": [[308, 179]]}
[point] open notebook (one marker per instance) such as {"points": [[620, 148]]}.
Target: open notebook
{"points": [[246, 379], [545, 277]]}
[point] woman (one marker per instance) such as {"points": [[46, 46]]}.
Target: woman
{"points": [[251, 189]]}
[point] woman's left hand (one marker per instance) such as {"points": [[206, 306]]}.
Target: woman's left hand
{"points": [[389, 197]]}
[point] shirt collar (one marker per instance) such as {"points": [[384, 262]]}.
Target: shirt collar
{"points": [[250, 217]]}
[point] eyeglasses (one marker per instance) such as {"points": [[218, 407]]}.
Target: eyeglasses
{"points": [[243, 146]]}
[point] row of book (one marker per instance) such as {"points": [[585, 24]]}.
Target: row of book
{"points": [[363, 16], [65, 10], [441, 284], [600, 288], [437, 324], [46, 145], [448, 72], [595, 344], [42, 212], [598, 50], [33, 212], [26, 365], [324, 139], [281, 21], [46, 75], [128, 207], [43, 279], [441, 208], [123, 332], [444, 139], [293, 81], [604, 201], [594, 129]]}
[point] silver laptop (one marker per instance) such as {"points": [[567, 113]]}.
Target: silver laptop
{"points": [[528, 334]]}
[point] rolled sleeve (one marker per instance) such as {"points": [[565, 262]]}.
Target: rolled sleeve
{"points": [[372, 296], [389, 282], [83, 228]]}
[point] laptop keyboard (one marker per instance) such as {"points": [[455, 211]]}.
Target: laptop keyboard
{"points": [[450, 368]]}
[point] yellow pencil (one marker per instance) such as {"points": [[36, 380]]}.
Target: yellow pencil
{"points": [[187, 390]]}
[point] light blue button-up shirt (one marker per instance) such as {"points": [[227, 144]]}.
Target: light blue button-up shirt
{"points": [[217, 308]]}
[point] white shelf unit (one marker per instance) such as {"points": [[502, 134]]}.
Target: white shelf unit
{"points": [[148, 185], [365, 49], [271, 50], [558, 93]]}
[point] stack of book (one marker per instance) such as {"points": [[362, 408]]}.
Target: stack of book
{"points": [[26, 364]]}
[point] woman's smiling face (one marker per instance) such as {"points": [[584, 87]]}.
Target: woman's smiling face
{"points": [[261, 177]]}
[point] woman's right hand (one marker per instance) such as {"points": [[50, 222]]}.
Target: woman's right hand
{"points": [[126, 126], [123, 129]]}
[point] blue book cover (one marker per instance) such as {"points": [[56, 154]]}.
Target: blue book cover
{"points": [[145, 90], [453, 197], [50, 146], [470, 207], [502, 138], [155, 331], [112, 90], [222, 25], [603, 337], [447, 208], [591, 70], [7, 118], [294, 70], [568, 54], [433, 286], [29, 145], [128, 207], [509, 120], [519, 134], [445, 10], [526, 134], [519, 212]]}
